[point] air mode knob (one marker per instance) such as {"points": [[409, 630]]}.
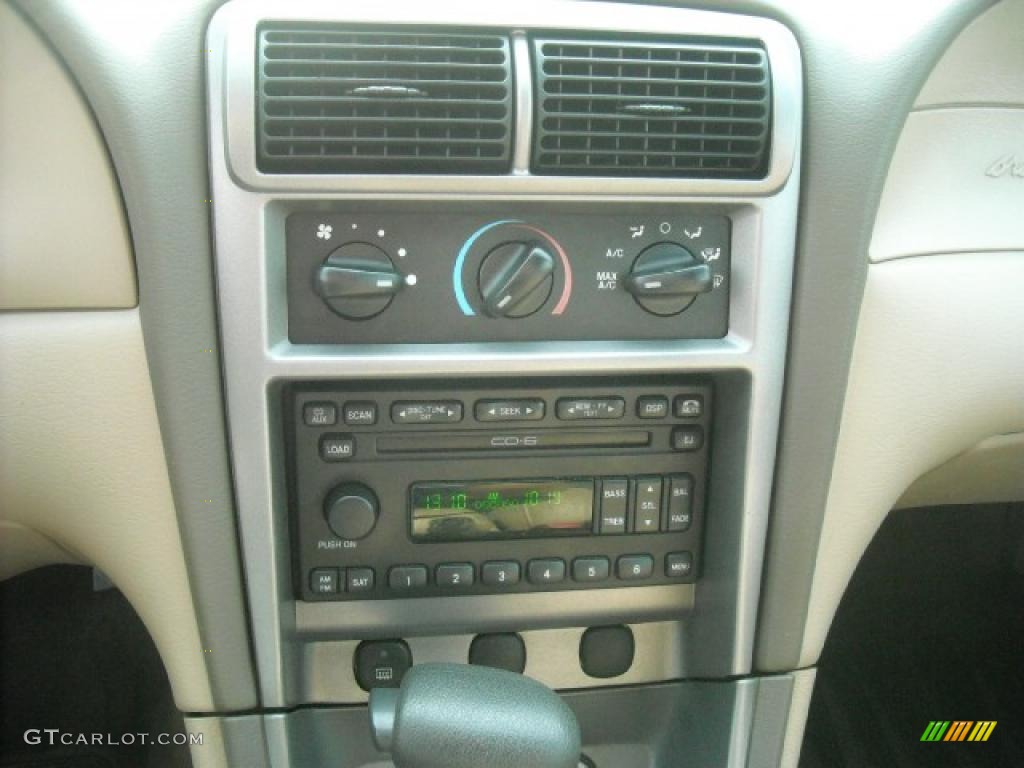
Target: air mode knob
{"points": [[516, 279], [351, 511], [358, 281], [666, 278]]}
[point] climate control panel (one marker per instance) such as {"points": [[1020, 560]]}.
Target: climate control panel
{"points": [[387, 275]]}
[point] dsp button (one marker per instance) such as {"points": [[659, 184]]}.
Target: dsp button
{"points": [[592, 408], [652, 407], [427, 412], [509, 410]]}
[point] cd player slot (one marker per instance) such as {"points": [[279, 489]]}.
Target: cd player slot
{"points": [[510, 440]]}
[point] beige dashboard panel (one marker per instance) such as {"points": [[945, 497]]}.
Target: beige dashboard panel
{"points": [[937, 367], [956, 184], [984, 65], [990, 472], [64, 242], [82, 466]]}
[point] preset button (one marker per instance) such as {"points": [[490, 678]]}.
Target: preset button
{"points": [[634, 567], [500, 573]]}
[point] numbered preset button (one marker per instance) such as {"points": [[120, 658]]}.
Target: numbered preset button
{"points": [[589, 569], [545, 571], [500, 573], [634, 567], [454, 575]]}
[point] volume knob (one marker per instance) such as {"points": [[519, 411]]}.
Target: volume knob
{"points": [[351, 511]]}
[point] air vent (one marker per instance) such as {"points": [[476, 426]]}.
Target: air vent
{"points": [[335, 99], [631, 108]]}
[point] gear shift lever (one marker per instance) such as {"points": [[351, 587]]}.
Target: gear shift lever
{"points": [[463, 716]]}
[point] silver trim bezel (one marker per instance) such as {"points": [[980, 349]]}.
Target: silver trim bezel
{"points": [[237, 54], [249, 208]]}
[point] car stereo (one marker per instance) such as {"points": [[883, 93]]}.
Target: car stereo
{"points": [[424, 490]]}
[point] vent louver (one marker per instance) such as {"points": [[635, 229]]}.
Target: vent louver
{"points": [[637, 108], [335, 99]]}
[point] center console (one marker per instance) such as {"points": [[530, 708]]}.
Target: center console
{"points": [[504, 343]]}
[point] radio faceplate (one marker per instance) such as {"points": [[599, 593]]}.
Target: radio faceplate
{"points": [[429, 491]]}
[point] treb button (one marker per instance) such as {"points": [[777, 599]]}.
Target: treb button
{"points": [[614, 498]]}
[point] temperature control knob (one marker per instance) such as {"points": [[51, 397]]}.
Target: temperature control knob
{"points": [[351, 511], [358, 281], [516, 279], [666, 278]]}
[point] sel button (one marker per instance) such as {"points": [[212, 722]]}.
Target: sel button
{"points": [[647, 515]]}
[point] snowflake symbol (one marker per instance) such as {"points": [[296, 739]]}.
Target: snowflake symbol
{"points": [[324, 231]]}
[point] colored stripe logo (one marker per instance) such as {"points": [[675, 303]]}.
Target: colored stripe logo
{"points": [[958, 730]]}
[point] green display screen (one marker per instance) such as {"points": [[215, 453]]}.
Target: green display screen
{"points": [[501, 509]]}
